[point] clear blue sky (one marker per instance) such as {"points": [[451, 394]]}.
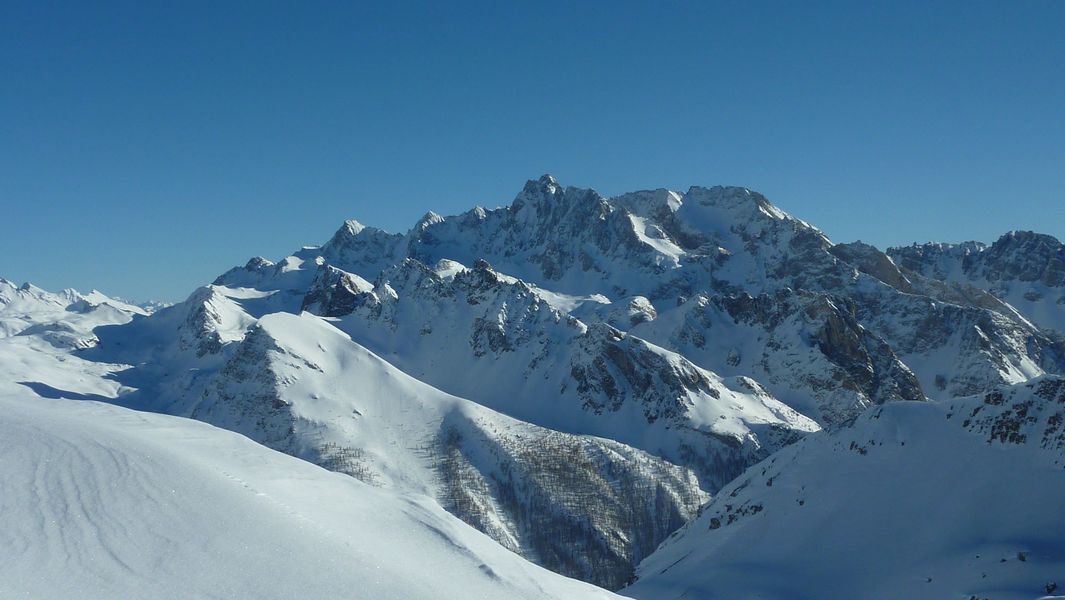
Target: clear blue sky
{"points": [[146, 147]]}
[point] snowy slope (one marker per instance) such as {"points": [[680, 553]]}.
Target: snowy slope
{"points": [[488, 338], [298, 384], [103, 502], [912, 500]]}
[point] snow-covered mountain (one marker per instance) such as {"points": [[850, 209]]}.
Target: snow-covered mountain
{"points": [[66, 318], [298, 384], [576, 376], [958, 499], [101, 501], [1023, 268], [663, 248]]}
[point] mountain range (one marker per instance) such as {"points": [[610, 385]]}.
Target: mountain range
{"points": [[662, 394]]}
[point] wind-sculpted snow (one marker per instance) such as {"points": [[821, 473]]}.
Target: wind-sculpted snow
{"points": [[912, 500], [101, 502], [222, 366]]}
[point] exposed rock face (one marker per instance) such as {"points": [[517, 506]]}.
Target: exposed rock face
{"points": [[808, 349], [1024, 256], [562, 287], [1032, 413], [958, 350], [667, 247], [1023, 268], [563, 238], [333, 292], [868, 259], [1018, 255]]}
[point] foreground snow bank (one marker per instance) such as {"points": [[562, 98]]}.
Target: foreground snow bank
{"points": [[104, 502]]}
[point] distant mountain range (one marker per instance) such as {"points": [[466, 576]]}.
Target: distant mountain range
{"points": [[665, 394]]}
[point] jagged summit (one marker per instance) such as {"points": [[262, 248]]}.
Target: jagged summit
{"points": [[428, 219], [258, 262], [546, 182], [352, 227], [1028, 236], [576, 240], [732, 196], [1022, 268]]}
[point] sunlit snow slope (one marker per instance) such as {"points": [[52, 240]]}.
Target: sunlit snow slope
{"points": [[104, 502], [960, 499]]}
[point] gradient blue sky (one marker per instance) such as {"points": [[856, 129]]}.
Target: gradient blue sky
{"points": [[146, 147]]}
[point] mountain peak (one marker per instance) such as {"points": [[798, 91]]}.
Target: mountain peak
{"points": [[546, 185], [258, 262], [429, 218], [733, 197], [1029, 237], [352, 227]]}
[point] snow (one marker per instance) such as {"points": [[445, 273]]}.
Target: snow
{"points": [[618, 331], [27, 305], [569, 303], [654, 237], [101, 501], [425, 329], [447, 269], [1040, 303], [1016, 269], [105, 502], [173, 492], [906, 503]]}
